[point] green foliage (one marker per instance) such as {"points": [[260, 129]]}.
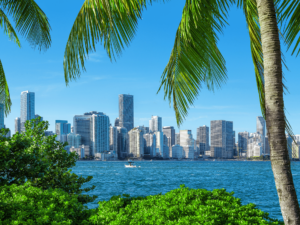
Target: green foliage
{"points": [[31, 156], [180, 206], [26, 204]]}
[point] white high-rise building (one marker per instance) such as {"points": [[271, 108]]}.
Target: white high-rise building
{"points": [[254, 147], [113, 139], [159, 143], [261, 128], [136, 143], [99, 134], [188, 151], [177, 139], [27, 107], [155, 124], [186, 138]]}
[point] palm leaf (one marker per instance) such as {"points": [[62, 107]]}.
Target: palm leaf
{"points": [[31, 21], [112, 23], [4, 91], [195, 57], [8, 28], [251, 14]]}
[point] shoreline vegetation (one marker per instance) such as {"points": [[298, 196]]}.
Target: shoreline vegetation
{"points": [[37, 186]]}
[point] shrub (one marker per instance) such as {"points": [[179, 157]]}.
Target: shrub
{"points": [[180, 206], [31, 156], [25, 204]]}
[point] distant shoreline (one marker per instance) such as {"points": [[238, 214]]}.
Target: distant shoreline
{"points": [[183, 160]]}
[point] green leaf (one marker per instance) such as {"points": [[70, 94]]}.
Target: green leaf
{"points": [[5, 100]]}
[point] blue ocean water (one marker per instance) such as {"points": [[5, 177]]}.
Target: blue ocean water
{"points": [[252, 182]]}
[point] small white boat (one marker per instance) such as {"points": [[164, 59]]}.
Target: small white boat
{"points": [[130, 166]]}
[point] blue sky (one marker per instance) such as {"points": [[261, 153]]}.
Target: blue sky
{"points": [[138, 72]]}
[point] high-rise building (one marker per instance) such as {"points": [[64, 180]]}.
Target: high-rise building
{"points": [[202, 139], [149, 144], [186, 138], [221, 137], [1, 115], [27, 107], [243, 141], [261, 128], [169, 132], [126, 111], [36, 116], [166, 152], [254, 147], [18, 125], [136, 143], [113, 139], [62, 127], [48, 133], [177, 152], [74, 140], [155, 124], [117, 122], [82, 126], [177, 139], [122, 142], [99, 134], [159, 144]]}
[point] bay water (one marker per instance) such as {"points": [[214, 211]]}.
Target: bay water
{"points": [[252, 182]]}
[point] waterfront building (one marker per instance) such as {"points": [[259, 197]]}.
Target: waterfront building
{"points": [[27, 107], [117, 122], [159, 144], [186, 138], [113, 138], [234, 145], [169, 133], [243, 141], [177, 139], [146, 130], [136, 143], [261, 128], [99, 134], [255, 145], [155, 124], [202, 139], [72, 129], [82, 151], [1, 115], [126, 111], [177, 152], [150, 144], [221, 137], [74, 140], [166, 152], [18, 125], [122, 142], [189, 152]]}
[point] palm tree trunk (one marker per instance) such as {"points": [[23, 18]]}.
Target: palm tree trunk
{"points": [[275, 113]]}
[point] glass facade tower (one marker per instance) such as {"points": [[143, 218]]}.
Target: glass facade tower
{"points": [[126, 112], [27, 107]]}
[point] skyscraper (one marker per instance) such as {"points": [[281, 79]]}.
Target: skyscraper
{"points": [[221, 138], [169, 132], [243, 138], [113, 138], [149, 144], [122, 142], [136, 143], [27, 107], [126, 111], [1, 115], [74, 140], [62, 127], [99, 134], [202, 139], [155, 124], [261, 128], [18, 125], [117, 122]]}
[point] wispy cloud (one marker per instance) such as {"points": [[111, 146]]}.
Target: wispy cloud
{"points": [[94, 57]]}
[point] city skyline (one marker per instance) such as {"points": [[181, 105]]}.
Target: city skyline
{"points": [[138, 73]]}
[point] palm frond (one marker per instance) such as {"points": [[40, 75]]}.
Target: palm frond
{"points": [[31, 21], [251, 13], [4, 91], [112, 23], [8, 28], [195, 58], [288, 16]]}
